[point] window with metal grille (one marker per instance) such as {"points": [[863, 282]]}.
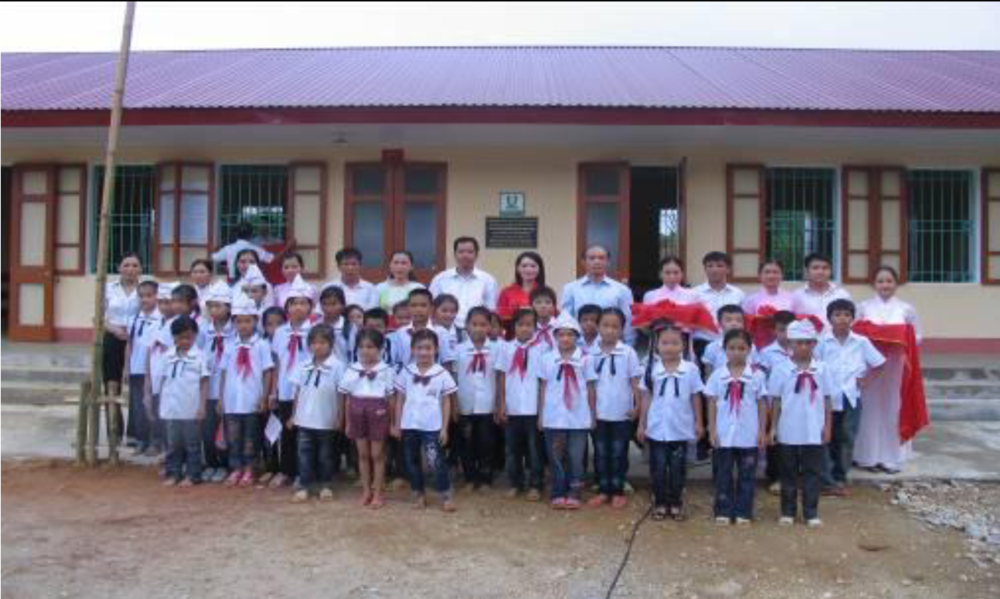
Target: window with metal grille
{"points": [[256, 194], [131, 215], [799, 216], [940, 230]]}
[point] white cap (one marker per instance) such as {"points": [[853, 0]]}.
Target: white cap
{"points": [[254, 278], [299, 288], [565, 321], [164, 290], [243, 305], [801, 330], [220, 293]]}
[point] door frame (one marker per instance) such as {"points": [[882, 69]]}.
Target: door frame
{"points": [[44, 274]]}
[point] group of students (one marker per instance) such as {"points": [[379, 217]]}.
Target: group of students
{"points": [[248, 385]]}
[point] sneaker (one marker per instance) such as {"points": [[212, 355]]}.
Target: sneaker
{"points": [[742, 522], [722, 521], [786, 521], [170, 482], [233, 479], [279, 480], [512, 493], [774, 488], [559, 503], [220, 475], [265, 478], [247, 479], [572, 504], [300, 496], [597, 500], [629, 489], [326, 495], [208, 473], [448, 506], [534, 495], [814, 523]]}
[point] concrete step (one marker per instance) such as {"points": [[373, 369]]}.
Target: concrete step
{"points": [[973, 410], [54, 376], [962, 389], [957, 373], [39, 393]]}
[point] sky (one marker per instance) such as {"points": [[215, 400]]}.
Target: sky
{"points": [[96, 26]]}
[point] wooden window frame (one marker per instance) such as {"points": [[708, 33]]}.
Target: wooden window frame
{"points": [[178, 192], [319, 248], [583, 200], [731, 197], [81, 244], [988, 196], [875, 251]]}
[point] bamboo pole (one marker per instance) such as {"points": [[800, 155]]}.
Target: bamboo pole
{"points": [[90, 405]]}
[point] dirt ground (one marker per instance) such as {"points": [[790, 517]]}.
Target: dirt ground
{"points": [[70, 532]]}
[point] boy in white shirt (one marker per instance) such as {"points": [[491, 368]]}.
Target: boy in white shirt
{"points": [[141, 328], [183, 390], [215, 335], [543, 302], [475, 368], [801, 419], [850, 358]]}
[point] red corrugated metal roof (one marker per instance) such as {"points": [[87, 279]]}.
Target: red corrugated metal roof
{"points": [[539, 77]]}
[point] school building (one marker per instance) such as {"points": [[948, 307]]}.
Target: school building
{"points": [[871, 156]]}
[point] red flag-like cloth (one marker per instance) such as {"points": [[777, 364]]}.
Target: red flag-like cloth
{"points": [[689, 316], [761, 325], [913, 414]]}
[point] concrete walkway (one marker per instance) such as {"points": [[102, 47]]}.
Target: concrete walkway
{"points": [[948, 450]]}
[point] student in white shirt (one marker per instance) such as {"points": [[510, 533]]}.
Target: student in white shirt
{"points": [[813, 298], [215, 335], [182, 301], [445, 315], [140, 331], [567, 411], [368, 386], [291, 350], [590, 336], [421, 307], [517, 366], [183, 394], [543, 302], [318, 412], [671, 417], [422, 416], [730, 317], [737, 423], [470, 285], [247, 371], [850, 358], [357, 291], [618, 371], [257, 288], [332, 308], [475, 373], [801, 420], [201, 279], [777, 355]]}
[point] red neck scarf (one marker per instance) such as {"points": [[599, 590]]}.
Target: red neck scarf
{"points": [[735, 394], [806, 378], [570, 384], [294, 345], [478, 363], [243, 365], [520, 362]]}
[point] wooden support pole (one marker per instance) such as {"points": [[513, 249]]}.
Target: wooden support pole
{"points": [[90, 406]]}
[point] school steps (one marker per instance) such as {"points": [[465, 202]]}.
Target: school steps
{"points": [[959, 388]]}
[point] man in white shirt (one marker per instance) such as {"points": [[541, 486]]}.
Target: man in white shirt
{"points": [[357, 291], [228, 253], [815, 296], [472, 287]]}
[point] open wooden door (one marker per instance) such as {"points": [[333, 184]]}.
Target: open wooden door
{"points": [[32, 281]]}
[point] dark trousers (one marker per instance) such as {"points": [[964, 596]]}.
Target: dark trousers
{"points": [[287, 445], [772, 469], [137, 426], [477, 444], [428, 443], [703, 445], [183, 449], [157, 427], [395, 465], [668, 470], [611, 441], [840, 454], [269, 450], [243, 436], [734, 494], [316, 458], [566, 449], [523, 447], [801, 465], [214, 457]]}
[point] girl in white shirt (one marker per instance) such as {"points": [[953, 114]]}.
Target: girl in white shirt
{"points": [[475, 367]]}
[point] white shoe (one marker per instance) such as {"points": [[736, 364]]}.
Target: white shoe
{"points": [[742, 522], [722, 521], [786, 521], [814, 523]]}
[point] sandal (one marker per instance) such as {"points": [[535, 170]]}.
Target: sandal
{"points": [[233, 479], [677, 514], [247, 479], [377, 501], [366, 498], [278, 481], [660, 513]]}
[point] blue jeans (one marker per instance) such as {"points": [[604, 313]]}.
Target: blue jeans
{"points": [[611, 441], [565, 448], [242, 436], [523, 446], [837, 460], [183, 447], [428, 442], [137, 426], [316, 467], [668, 469], [734, 496]]}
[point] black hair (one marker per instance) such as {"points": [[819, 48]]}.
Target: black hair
{"points": [[130, 254], [183, 324], [465, 239], [599, 246], [333, 291], [409, 255], [186, 292], [374, 337], [236, 276], [840, 305], [717, 256], [525, 313], [271, 312], [479, 311], [377, 314], [784, 317], [729, 309], [202, 262], [542, 291], [244, 230], [616, 312], [537, 259], [293, 256], [886, 268], [589, 310], [400, 304], [320, 330], [770, 262], [443, 299], [347, 254], [424, 335], [354, 308], [671, 260], [420, 292], [737, 334], [148, 285], [659, 327], [816, 257]]}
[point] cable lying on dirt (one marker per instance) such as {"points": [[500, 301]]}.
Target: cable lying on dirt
{"points": [[628, 551]]}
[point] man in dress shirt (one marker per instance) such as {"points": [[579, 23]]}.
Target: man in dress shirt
{"points": [[357, 291], [815, 296], [472, 287], [715, 293], [597, 288]]}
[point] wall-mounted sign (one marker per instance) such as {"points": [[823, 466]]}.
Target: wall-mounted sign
{"points": [[512, 233], [511, 203]]}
